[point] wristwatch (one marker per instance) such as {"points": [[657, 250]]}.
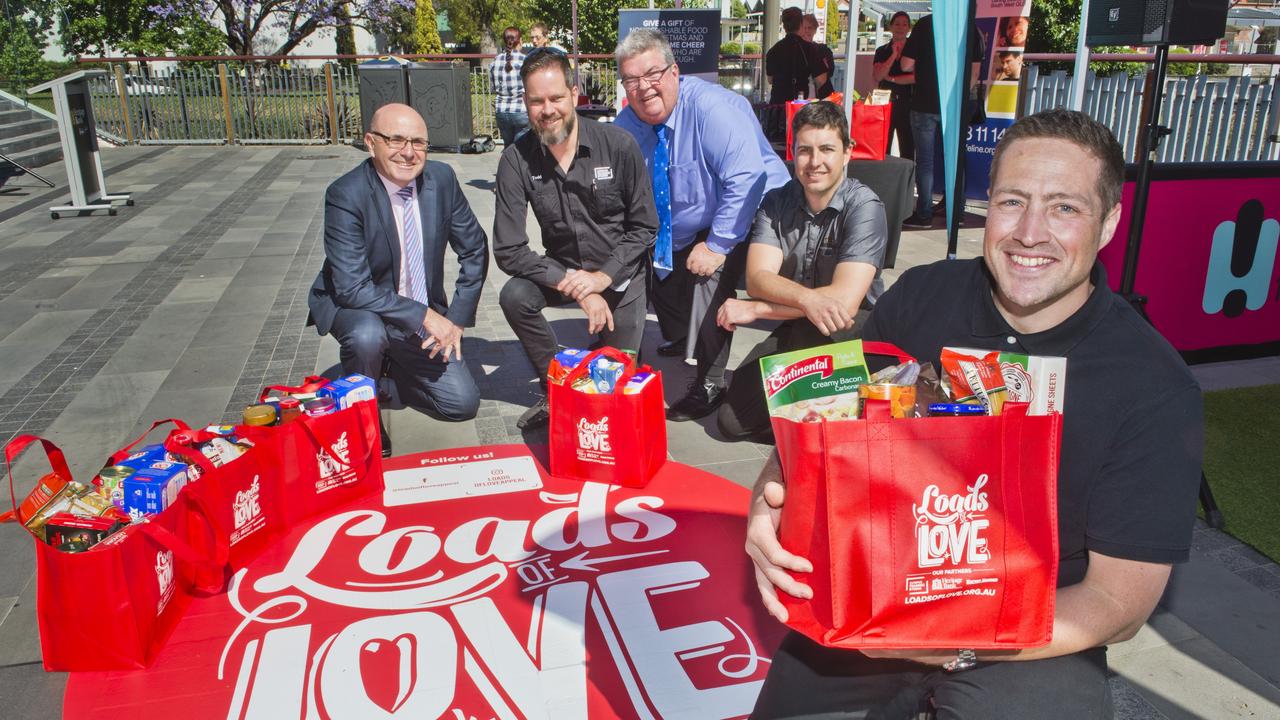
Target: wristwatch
{"points": [[964, 660]]}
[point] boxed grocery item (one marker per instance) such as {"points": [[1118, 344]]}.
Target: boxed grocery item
{"points": [[819, 383], [1039, 380], [350, 390]]}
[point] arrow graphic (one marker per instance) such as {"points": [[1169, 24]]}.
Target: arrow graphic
{"points": [[580, 562]]}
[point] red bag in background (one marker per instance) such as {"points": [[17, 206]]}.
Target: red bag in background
{"points": [[609, 438], [923, 532], [113, 606], [869, 128], [794, 106]]}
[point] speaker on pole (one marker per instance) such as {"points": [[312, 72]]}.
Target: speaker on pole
{"points": [[1156, 22]]}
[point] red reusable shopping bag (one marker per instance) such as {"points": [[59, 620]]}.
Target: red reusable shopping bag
{"points": [[113, 606], [869, 129], [609, 438], [923, 532]]}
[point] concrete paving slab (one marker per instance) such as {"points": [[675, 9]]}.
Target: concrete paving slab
{"points": [[206, 367], [26, 347], [19, 637], [743, 472], [17, 559], [203, 288], [1197, 679]]}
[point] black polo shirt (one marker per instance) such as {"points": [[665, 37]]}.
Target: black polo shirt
{"points": [[919, 47], [1133, 432], [598, 216]]}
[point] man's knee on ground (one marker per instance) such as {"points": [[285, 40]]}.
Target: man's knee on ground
{"points": [[367, 337]]}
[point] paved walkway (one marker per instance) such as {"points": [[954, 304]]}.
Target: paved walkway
{"points": [[188, 303]]}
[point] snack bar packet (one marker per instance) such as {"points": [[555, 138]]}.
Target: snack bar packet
{"points": [[975, 379], [816, 384], [1038, 380]]}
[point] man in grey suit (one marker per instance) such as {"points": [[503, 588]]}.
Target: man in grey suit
{"points": [[381, 291]]}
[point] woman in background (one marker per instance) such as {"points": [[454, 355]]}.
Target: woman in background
{"points": [[889, 74]]}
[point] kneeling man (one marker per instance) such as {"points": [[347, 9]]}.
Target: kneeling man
{"points": [[593, 201], [816, 250], [381, 291]]}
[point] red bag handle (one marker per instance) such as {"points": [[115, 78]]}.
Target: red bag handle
{"points": [[613, 354], [875, 347], [124, 452], [310, 383], [57, 461], [205, 567], [180, 442]]}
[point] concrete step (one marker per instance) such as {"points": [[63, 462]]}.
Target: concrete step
{"points": [[24, 127], [9, 146], [38, 156], [14, 113]]}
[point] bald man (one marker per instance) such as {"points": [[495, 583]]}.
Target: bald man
{"points": [[381, 291]]}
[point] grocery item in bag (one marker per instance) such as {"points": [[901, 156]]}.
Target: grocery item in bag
{"points": [[815, 384]]}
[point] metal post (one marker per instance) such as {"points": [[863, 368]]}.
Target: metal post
{"points": [[850, 54], [333, 106], [123, 91], [226, 102], [1081, 74], [1149, 143]]}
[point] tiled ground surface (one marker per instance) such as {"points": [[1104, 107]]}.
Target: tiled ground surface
{"points": [[188, 303]]}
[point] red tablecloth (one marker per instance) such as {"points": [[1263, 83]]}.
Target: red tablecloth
{"points": [[476, 587]]}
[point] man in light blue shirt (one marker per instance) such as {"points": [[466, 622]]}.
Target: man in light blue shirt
{"points": [[711, 165]]}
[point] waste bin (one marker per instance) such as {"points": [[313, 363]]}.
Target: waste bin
{"points": [[441, 93], [382, 82]]}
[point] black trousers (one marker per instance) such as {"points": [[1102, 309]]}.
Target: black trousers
{"points": [[686, 305], [743, 413], [900, 125], [444, 390], [807, 680], [523, 301]]}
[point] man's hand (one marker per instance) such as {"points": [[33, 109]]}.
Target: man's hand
{"points": [[703, 260], [826, 313], [771, 561], [598, 315], [736, 312], [577, 284], [442, 336]]}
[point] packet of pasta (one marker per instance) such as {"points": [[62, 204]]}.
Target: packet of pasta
{"points": [[816, 384], [974, 379]]}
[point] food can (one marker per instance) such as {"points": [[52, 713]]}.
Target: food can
{"points": [[320, 406]]}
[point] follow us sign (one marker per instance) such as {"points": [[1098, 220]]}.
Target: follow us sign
{"points": [[1210, 257]]}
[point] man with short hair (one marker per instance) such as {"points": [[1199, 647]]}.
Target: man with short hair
{"points": [[381, 291], [508, 90], [710, 165], [817, 246], [592, 199], [1010, 67], [1132, 441]]}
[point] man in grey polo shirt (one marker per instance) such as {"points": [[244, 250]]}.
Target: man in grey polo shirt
{"points": [[816, 250]]}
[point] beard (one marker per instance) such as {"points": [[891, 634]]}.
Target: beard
{"points": [[555, 137]]}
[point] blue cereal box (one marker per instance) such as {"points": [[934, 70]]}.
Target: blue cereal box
{"points": [[153, 489], [349, 390], [145, 456]]}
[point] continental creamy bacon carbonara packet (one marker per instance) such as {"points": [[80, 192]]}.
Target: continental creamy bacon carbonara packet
{"points": [[816, 384]]}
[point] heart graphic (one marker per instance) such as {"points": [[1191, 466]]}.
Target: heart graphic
{"points": [[388, 669]]}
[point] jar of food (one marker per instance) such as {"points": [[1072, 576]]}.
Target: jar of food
{"points": [[259, 415], [290, 409]]}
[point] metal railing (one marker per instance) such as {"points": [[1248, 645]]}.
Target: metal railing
{"points": [[1212, 118], [205, 102]]}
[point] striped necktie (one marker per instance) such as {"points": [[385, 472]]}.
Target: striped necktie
{"points": [[414, 267]]}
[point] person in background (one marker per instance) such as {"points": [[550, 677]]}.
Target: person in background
{"points": [[1010, 65], [540, 37], [593, 201], [821, 57], [817, 246], [1013, 33], [888, 73], [710, 164], [508, 91], [790, 67]]}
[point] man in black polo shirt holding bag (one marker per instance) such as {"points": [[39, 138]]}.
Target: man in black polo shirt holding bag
{"points": [[1131, 445]]}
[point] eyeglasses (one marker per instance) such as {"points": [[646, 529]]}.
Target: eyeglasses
{"points": [[653, 77], [510, 38], [397, 143]]}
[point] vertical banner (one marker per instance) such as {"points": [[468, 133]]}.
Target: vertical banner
{"points": [[694, 37], [1003, 25]]}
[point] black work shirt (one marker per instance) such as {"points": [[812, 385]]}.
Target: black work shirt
{"points": [[790, 63], [1132, 427], [598, 216], [919, 47], [900, 93], [852, 228]]}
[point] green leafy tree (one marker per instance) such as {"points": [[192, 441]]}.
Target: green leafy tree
{"points": [[1055, 28], [597, 19], [344, 33], [426, 34], [479, 23], [92, 27], [20, 61]]}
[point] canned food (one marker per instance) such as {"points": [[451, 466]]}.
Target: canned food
{"points": [[319, 407]]}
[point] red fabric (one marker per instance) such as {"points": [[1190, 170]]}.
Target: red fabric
{"points": [[613, 438], [310, 384], [857, 492], [114, 606], [869, 127]]}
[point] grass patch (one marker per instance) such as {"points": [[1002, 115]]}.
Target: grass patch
{"points": [[1242, 462]]}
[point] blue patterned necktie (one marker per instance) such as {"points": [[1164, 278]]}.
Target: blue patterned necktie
{"points": [[414, 267], [662, 262]]}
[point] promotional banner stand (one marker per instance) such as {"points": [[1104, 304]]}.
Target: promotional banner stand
{"points": [[74, 110], [1153, 133]]}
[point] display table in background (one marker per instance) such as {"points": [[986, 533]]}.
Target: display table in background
{"points": [[475, 586], [894, 180]]}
